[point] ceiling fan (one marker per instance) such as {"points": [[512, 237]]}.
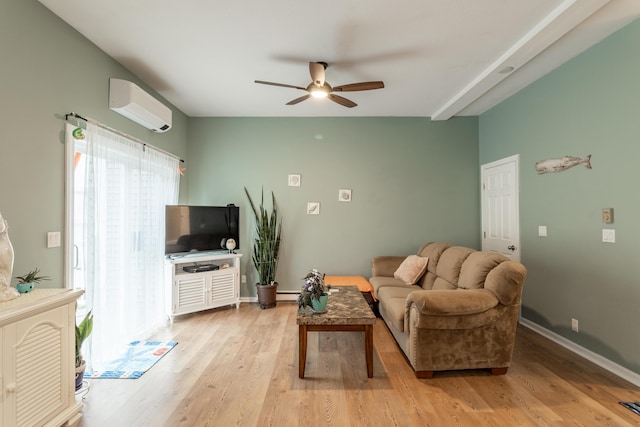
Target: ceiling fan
{"points": [[319, 88]]}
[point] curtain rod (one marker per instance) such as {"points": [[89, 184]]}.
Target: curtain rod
{"points": [[117, 132]]}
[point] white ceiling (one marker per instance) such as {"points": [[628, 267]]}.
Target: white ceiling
{"points": [[437, 58]]}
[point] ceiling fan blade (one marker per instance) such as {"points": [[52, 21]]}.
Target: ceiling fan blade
{"points": [[316, 69], [342, 101], [298, 100], [279, 84], [359, 86]]}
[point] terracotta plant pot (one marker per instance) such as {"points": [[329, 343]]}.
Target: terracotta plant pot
{"points": [[267, 295]]}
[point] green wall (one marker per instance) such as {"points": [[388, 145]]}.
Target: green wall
{"points": [[48, 69], [413, 181], [588, 106]]}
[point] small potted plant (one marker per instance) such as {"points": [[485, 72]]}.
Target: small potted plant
{"points": [[26, 282], [83, 330], [313, 292]]}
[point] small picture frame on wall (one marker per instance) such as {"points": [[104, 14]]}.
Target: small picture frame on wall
{"points": [[344, 195], [313, 208], [294, 180]]}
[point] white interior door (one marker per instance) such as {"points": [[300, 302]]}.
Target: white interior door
{"points": [[500, 213]]}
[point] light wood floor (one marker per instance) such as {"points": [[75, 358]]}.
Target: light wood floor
{"points": [[239, 368]]}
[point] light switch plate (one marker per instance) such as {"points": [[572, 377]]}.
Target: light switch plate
{"points": [[53, 239], [608, 236], [542, 230]]}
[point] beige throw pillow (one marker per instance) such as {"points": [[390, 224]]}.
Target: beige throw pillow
{"points": [[411, 269]]}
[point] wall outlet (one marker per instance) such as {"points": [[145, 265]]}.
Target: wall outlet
{"points": [[575, 327], [243, 278]]}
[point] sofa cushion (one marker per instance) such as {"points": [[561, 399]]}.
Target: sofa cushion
{"points": [[394, 310], [379, 282], [411, 269], [476, 267], [394, 299], [397, 292], [449, 266], [433, 251]]}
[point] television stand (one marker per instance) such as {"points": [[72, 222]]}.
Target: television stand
{"points": [[205, 288]]}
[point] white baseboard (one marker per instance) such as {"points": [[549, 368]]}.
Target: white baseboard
{"points": [[281, 296], [287, 295], [603, 362]]}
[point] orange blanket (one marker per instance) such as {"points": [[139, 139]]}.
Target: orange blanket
{"points": [[359, 281]]}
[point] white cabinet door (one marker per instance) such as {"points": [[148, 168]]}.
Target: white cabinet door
{"points": [[36, 379], [223, 288], [190, 293], [200, 291]]}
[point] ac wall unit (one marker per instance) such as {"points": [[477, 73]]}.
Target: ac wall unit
{"points": [[128, 99]]}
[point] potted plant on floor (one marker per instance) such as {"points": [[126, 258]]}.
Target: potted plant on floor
{"points": [[28, 281], [313, 292], [83, 330], [266, 249]]}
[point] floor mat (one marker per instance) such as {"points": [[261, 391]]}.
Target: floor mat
{"points": [[139, 358]]}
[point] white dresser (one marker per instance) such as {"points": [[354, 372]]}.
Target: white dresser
{"points": [[37, 357]]}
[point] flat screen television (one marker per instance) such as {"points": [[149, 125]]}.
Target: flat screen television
{"points": [[200, 228]]}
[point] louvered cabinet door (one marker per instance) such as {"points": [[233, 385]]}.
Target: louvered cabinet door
{"points": [[190, 293], [224, 289], [36, 378]]}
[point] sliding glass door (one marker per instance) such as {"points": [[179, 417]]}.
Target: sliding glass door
{"points": [[117, 190]]}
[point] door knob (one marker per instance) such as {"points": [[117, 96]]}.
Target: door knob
{"points": [[511, 248]]}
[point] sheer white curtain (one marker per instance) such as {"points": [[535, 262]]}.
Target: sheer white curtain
{"points": [[126, 188]]}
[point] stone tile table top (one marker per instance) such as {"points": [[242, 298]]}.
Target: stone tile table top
{"points": [[346, 306]]}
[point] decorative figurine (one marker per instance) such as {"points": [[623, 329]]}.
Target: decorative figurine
{"points": [[7, 293]]}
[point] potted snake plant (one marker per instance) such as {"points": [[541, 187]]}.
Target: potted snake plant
{"points": [[266, 249]]}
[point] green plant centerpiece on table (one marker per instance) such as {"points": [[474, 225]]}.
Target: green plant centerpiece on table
{"points": [[266, 249], [83, 330], [28, 281], [313, 292]]}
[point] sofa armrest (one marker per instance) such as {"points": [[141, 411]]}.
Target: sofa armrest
{"points": [[449, 309], [452, 302], [385, 265]]}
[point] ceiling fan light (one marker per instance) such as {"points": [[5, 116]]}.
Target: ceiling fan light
{"points": [[319, 93]]}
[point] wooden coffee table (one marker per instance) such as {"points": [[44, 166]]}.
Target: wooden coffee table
{"points": [[347, 310]]}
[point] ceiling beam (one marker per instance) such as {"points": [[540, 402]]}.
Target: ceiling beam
{"points": [[565, 17]]}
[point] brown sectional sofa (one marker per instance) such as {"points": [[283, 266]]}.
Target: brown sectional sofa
{"points": [[462, 313]]}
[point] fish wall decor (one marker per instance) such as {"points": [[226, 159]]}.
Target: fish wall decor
{"points": [[562, 163]]}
